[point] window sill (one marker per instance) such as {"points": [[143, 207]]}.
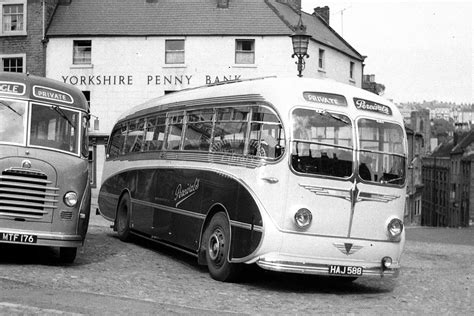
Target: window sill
{"points": [[175, 66], [22, 33], [322, 70], [82, 66], [352, 81], [244, 66]]}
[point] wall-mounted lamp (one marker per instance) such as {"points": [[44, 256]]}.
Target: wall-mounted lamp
{"points": [[96, 121], [300, 41]]}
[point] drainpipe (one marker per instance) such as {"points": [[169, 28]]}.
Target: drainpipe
{"points": [[44, 16]]}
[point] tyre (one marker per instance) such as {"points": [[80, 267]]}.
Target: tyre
{"points": [[122, 222], [216, 240], [67, 254]]}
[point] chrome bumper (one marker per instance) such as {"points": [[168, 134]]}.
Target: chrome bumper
{"points": [[46, 239], [321, 269]]}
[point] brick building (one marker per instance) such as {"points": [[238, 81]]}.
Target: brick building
{"points": [[22, 35]]}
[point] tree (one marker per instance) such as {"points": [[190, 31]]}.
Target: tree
{"points": [[379, 88], [441, 127]]}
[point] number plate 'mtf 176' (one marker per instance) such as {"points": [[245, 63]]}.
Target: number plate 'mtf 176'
{"points": [[346, 270], [18, 238]]}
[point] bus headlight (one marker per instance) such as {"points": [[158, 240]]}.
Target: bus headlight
{"points": [[70, 199], [303, 218], [386, 262], [395, 228]]}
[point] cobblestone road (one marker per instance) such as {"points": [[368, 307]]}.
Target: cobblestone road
{"points": [[108, 275]]}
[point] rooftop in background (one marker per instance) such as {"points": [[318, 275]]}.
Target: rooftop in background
{"points": [[188, 18]]}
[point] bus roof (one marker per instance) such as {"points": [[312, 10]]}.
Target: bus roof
{"points": [[41, 89], [272, 90]]}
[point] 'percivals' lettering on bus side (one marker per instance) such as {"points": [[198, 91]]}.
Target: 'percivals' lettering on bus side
{"points": [[182, 194], [51, 94], [12, 88], [325, 98], [367, 105]]}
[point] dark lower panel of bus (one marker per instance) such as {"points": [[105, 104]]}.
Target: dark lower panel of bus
{"points": [[173, 206]]}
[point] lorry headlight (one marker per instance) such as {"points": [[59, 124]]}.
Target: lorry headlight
{"points": [[303, 218], [70, 199]]}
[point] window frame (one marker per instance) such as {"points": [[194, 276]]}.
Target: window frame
{"points": [[25, 10], [175, 52], [351, 70], [242, 51], [321, 59], [11, 56], [81, 61]]}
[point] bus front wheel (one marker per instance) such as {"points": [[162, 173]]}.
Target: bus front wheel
{"points": [[67, 254], [217, 242], [122, 222]]}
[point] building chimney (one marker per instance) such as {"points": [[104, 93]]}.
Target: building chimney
{"points": [[295, 4], [323, 12], [222, 4]]}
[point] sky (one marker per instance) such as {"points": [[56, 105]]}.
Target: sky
{"points": [[420, 50]]}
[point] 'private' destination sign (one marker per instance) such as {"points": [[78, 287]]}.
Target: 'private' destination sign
{"points": [[52, 94], [325, 98]]}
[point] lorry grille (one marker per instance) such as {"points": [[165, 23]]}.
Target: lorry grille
{"points": [[26, 194]]}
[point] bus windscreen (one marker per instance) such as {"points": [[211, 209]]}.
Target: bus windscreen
{"points": [[12, 121], [54, 127]]}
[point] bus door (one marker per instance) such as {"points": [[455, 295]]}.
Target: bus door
{"points": [[322, 159], [381, 160]]}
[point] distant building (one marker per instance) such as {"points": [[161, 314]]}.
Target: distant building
{"points": [[441, 113], [420, 123], [369, 84], [414, 177], [448, 176], [436, 179]]}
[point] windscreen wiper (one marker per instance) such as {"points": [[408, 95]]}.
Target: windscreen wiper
{"points": [[8, 106], [63, 115], [337, 118]]}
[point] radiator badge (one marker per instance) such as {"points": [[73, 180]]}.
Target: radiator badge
{"points": [[26, 164], [347, 248]]}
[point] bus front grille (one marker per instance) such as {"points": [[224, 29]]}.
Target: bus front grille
{"points": [[26, 194]]}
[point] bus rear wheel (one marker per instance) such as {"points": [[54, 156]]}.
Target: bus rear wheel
{"points": [[217, 242], [122, 222], [67, 254]]}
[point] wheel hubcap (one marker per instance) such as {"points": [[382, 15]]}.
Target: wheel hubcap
{"points": [[216, 246]]}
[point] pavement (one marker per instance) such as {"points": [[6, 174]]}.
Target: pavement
{"points": [[443, 235]]}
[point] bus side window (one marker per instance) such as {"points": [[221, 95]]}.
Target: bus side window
{"points": [[174, 131], [116, 141], [198, 130], [155, 133], [229, 137], [266, 134], [135, 136]]}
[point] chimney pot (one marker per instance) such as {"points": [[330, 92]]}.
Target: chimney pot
{"points": [[323, 12]]}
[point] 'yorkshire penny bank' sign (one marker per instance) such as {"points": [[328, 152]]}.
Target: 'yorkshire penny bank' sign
{"points": [[149, 80]]}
